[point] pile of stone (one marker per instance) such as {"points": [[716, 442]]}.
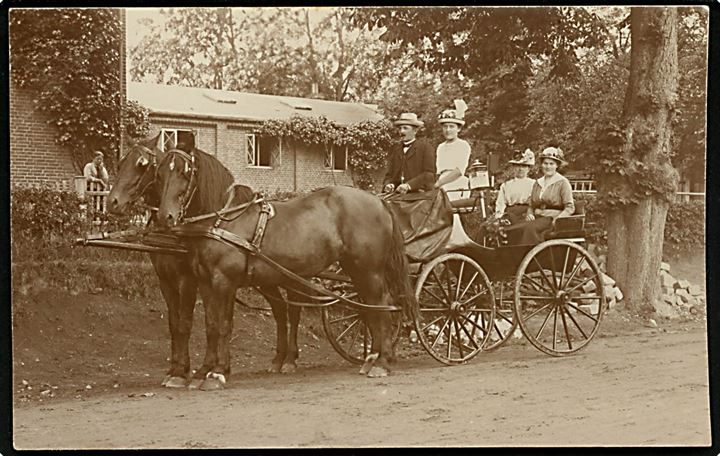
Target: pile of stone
{"points": [[613, 294], [677, 297]]}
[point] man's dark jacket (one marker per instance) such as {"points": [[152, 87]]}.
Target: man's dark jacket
{"points": [[416, 166]]}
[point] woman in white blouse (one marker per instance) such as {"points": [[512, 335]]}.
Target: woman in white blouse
{"points": [[513, 198], [453, 155]]}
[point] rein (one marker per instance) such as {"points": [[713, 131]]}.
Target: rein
{"points": [[189, 193]]}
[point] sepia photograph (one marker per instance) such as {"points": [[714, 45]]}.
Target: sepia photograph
{"points": [[358, 227]]}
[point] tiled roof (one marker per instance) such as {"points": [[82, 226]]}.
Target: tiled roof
{"points": [[225, 104]]}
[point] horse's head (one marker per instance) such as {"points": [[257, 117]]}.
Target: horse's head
{"points": [[136, 173], [177, 182]]}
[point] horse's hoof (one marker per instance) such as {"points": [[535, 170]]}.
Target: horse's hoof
{"points": [[274, 369], [369, 363], [288, 368], [166, 380], [377, 372], [212, 384], [175, 382], [195, 383]]}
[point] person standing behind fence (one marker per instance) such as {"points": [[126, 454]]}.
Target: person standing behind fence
{"points": [[95, 172]]}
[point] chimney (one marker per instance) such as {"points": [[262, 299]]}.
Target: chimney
{"points": [[315, 91]]}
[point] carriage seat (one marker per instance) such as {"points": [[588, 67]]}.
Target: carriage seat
{"points": [[570, 227]]}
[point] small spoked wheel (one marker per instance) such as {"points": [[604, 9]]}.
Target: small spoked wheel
{"points": [[344, 325], [456, 308], [559, 297], [505, 323]]}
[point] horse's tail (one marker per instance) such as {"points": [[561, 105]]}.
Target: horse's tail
{"points": [[397, 271]]}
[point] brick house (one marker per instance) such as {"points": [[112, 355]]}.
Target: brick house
{"points": [[222, 123]]}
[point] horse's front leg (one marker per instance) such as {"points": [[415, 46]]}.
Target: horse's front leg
{"points": [[293, 353], [222, 305], [169, 288], [211, 335], [280, 312], [186, 307]]}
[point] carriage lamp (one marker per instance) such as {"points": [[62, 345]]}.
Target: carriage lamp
{"points": [[478, 175]]}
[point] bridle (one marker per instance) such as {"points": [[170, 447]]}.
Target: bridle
{"points": [[191, 167], [150, 163]]}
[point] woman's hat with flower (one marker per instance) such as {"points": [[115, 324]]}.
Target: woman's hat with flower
{"points": [[526, 158], [553, 153], [456, 115]]}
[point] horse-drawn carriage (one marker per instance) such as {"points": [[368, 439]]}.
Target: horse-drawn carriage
{"points": [[467, 297]]}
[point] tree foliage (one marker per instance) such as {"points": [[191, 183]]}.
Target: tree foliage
{"points": [[280, 51], [70, 58]]}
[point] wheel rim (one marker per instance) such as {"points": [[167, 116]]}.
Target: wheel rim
{"points": [[559, 298], [505, 323], [345, 326], [456, 308]]}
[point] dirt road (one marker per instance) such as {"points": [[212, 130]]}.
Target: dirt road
{"points": [[650, 388]]}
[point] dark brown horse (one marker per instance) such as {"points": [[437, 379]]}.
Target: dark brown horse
{"points": [[306, 235], [136, 179]]}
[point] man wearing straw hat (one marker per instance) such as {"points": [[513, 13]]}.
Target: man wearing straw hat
{"points": [[412, 163]]}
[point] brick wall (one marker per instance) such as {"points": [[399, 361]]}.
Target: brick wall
{"points": [[227, 141], [35, 159]]}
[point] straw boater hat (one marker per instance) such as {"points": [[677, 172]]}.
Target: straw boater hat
{"points": [[456, 115], [97, 153], [526, 158], [408, 118], [553, 153]]}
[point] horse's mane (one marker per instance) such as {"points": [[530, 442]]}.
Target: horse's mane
{"points": [[213, 181]]}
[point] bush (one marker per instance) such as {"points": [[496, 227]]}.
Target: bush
{"points": [[685, 225]]}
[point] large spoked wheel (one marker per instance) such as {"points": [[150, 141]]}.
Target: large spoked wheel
{"points": [[456, 308], [344, 325], [505, 323], [559, 298]]}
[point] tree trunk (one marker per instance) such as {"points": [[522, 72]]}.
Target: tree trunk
{"points": [[636, 231]]}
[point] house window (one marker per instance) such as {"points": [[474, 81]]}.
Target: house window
{"points": [[172, 138], [261, 151], [336, 158]]}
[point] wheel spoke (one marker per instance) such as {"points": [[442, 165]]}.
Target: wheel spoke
{"points": [[472, 280], [442, 330], [537, 336], [449, 345], [536, 312], [474, 323], [537, 284], [554, 328], [509, 320], [354, 339], [539, 298], [565, 326], [459, 282], [432, 323], [472, 338], [439, 299], [459, 342], [554, 269], [576, 324], [433, 309], [448, 281], [562, 277], [582, 283], [347, 317], [342, 334], [542, 272], [444, 292], [583, 312], [474, 297], [575, 270]]}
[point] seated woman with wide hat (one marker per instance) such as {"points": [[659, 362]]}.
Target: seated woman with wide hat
{"points": [[551, 198]]}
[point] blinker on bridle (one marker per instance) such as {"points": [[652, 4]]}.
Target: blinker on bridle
{"points": [[144, 161], [189, 193]]}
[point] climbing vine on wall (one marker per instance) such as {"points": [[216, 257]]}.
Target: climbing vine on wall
{"points": [[367, 141], [70, 58]]}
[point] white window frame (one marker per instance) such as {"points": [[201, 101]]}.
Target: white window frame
{"points": [[329, 162], [174, 132], [252, 153]]}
